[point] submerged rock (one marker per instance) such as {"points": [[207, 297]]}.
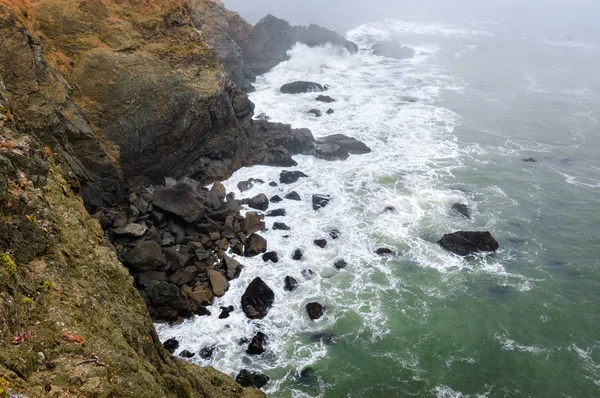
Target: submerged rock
{"points": [[320, 201], [324, 337], [247, 378], [340, 264], [464, 243], [393, 49], [461, 209], [529, 160], [325, 98], [384, 250], [281, 226], [276, 213], [316, 112], [257, 299]]}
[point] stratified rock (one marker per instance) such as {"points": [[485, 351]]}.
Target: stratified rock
{"points": [[255, 245], [297, 255], [290, 283], [256, 346], [315, 310], [171, 345], [270, 256], [316, 112], [384, 250], [146, 256], [468, 242], [462, 209], [276, 213], [320, 242], [340, 264], [281, 226], [131, 230], [257, 299], [259, 202], [325, 98], [247, 378], [293, 196], [302, 87], [320, 201], [290, 177], [181, 200], [393, 49], [218, 282]]}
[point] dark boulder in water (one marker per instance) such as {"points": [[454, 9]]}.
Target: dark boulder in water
{"points": [[276, 213], [323, 337], [225, 311], [257, 299], [273, 184], [315, 310], [245, 185], [340, 264], [384, 250], [461, 209], [302, 87], [393, 49], [247, 378], [255, 244], [290, 283], [297, 255], [259, 202], [290, 177], [171, 345], [316, 112], [281, 226], [334, 233], [207, 352], [270, 256], [330, 111], [338, 147], [256, 346], [320, 201], [464, 243], [187, 354], [320, 242], [293, 196], [529, 160], [276, 199], [307, 274], [325, 98]]}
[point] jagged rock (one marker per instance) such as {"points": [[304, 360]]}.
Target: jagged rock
{"points": [[393, 49], [316, 112], [293, 196], [187, 354], [338, 147], [270, 256], [259, 202], [340, 264], [281, 226], [461, 209], [290, 283], [464, 243], [253, 223], [247, 378], [320, 201], [325, 98], [202, 311], [181, 200], [171, 345], [290, 177], [273, 144], [256, 346], [383, 250], [315, 310], [276, 199], [218, 282], [232, 267], [255, 245], [146, 256], [297, 255], [320, 242], [225, 311], [131, 230], [276, 213], [257, 299]]}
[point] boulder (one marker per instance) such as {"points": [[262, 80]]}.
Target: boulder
{"points": [[187, 354], [340, 264], [219, 190], [270, 256], [171, 345], [325, 98], [330, 111], [149, 278], [320, 242], [290, 177], [182, 277], [276, 199], [461, 209], [181, 200], [290, 283], [247, 378], [529, 160], [273, 184], [315, 310], [244, 186], [207, 352], [302, 87], [147, 255], [297, 255], [281, 226], [259, 202], [201, 296], [218, 282], [231, 267], [255, 244], [257, 299], [464, 243], [263, 116], [276, 213], [167, 302], [393, 49], [131, 230], [253, 223], [225, 311], [320, 201], [293, 196], [256, 346], [383, 250], [316, 112], [338, 147]]}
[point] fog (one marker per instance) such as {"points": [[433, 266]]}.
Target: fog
{"points": [[559, 18]]}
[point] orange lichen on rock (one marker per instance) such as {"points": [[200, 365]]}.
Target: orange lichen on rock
{"points": [[73, 338]]}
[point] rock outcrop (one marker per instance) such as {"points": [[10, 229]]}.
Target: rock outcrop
{"points": [[393, 49]]}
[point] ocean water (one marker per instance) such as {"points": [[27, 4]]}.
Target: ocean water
{"points": [[451, 125]]}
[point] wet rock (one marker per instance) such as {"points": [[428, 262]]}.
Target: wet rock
{"points": [[218, 282], [181, 200], [297, 255], [146, 256], [244, 186], [290, 177], [293, 196], [131, 230], [461, 209], [259, 202], [464, 243], [263, 116], [315, 310], [207, 352], [307, 376], [339, 147], [202, 311], [320, 201], [383, 251], [323, 337], [393, 49], [316, 112], [281, 226], [255, 245], [389, 209], [340, 264], [273, 184], [257, 299], [171, 345], [334, 233], [270, 256], [225, 311], [320, 242], [276, 199], [307, 274], [276, 213], [186, 354], [302, 87], [324, 98], [256, 346], [290, 283], [231, 267], [247, 378], [330, 111], [529, 160]]}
